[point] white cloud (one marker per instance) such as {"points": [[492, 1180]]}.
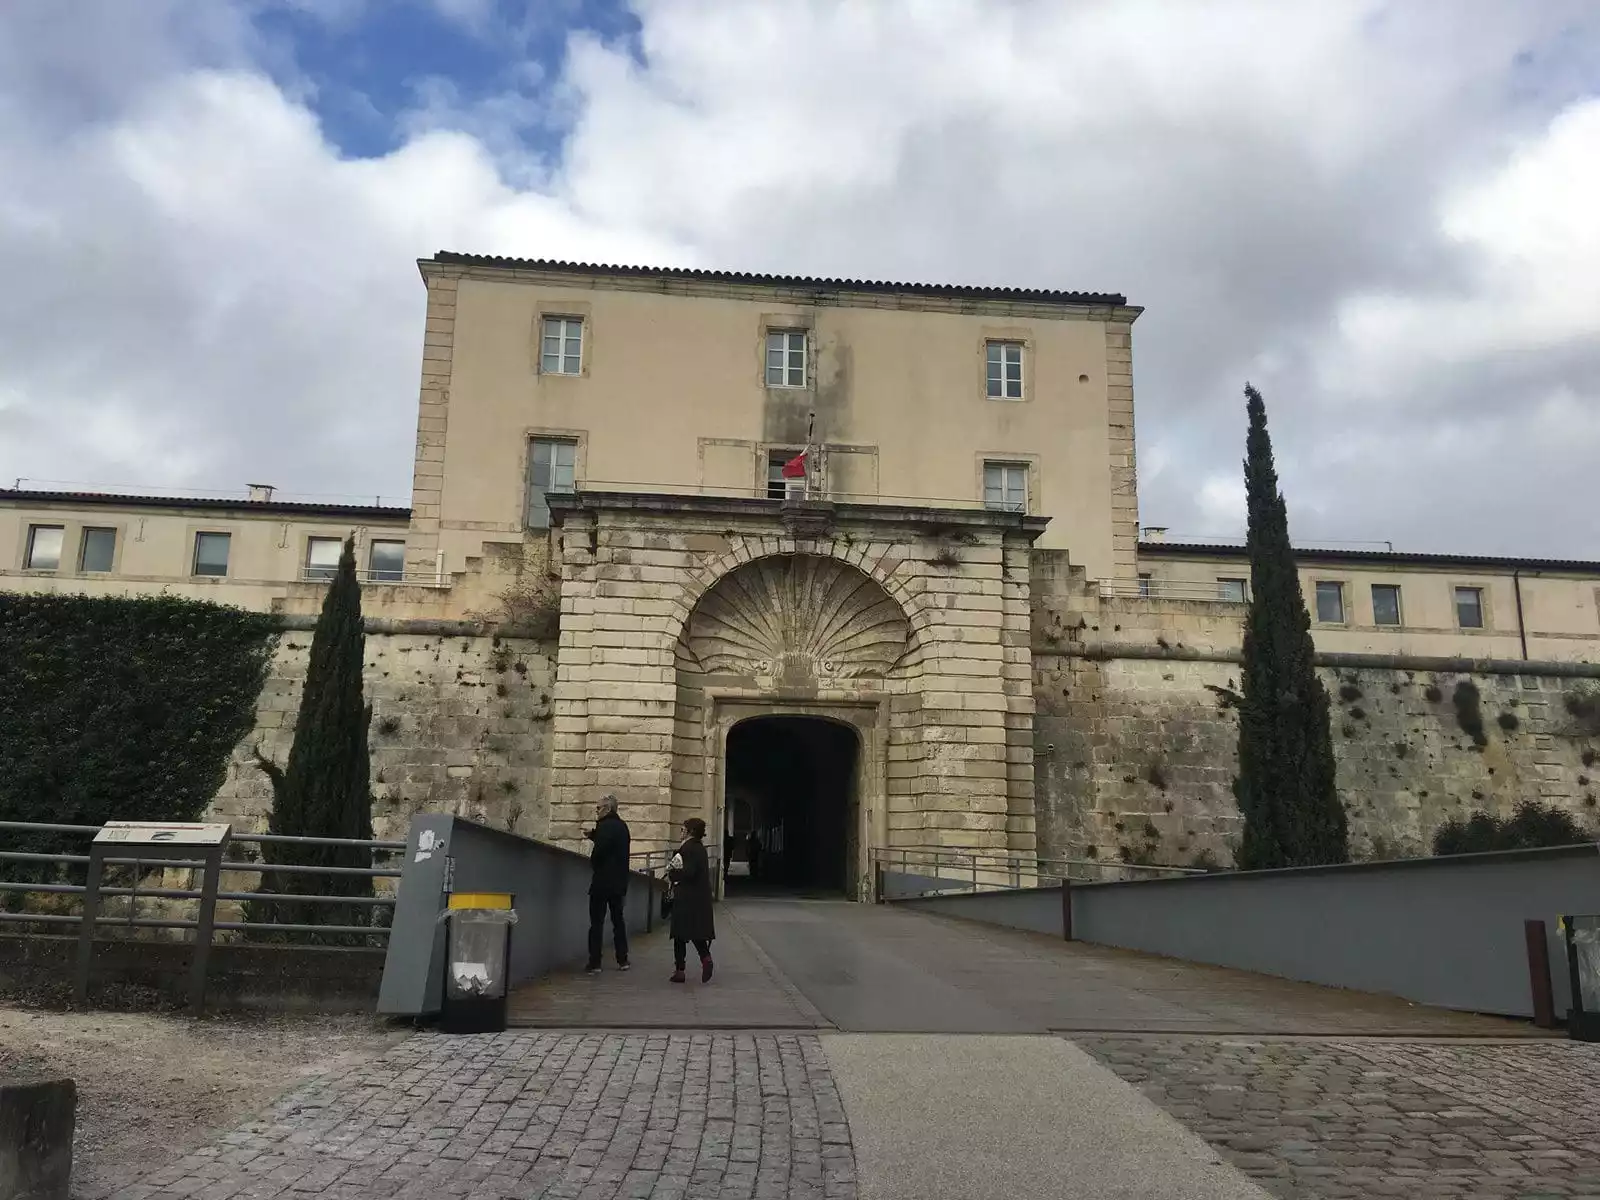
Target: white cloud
{"points": [[1376, 211]]}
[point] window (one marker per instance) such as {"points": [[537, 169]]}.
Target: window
{"points": [[1231, 590], [386, 562], [211, 553], [44, 547], [1005, 370], [1386, 604], [322, 557], [777, 485], [98, 550], [786, 358], [550, 469], [1330, 602], [1144, 584], [1005, 487], [1469, 607], [561, 352]]}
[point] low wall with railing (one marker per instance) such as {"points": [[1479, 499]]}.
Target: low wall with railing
{"points": [[910, 873], [149, 935], [549, 887], [1443, 931]]}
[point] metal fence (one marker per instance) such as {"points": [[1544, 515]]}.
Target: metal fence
{"points": [[904, 873], [55, 866]]}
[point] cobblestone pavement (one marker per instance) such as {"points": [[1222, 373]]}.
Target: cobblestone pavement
{"points": [[583, 1116], [1379, 1117]]}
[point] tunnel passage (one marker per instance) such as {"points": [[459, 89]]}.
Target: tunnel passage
{"points": [[792, 782]]}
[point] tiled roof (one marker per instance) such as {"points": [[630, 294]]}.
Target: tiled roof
{"points": [[1395, 558], [953, 291], [210, 503]]}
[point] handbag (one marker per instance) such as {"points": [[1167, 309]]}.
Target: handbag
{"points": [[666, 902]]}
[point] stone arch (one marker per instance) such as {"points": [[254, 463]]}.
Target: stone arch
{"points": [[878, 562], [797, 616]]}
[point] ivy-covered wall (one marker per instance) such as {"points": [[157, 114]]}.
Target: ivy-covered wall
{"points": [[123, 708]]}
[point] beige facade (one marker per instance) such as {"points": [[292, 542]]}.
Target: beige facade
{"points": [[257, 554], [1415, 604], [660, 381]]}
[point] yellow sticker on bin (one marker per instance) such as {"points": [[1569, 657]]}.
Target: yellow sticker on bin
{"points": [[480, 900]]}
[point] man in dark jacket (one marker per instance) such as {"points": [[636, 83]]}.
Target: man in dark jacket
{"points": [[608, 884]]}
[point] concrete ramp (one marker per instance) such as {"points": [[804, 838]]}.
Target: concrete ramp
{"points": [[970, 1118]]}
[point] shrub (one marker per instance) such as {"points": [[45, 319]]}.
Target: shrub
{"points": [[1469, 711], [121, 708], [1532, 825]]}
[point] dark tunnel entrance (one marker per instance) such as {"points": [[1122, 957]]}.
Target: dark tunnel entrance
{"points": [[792, 806]]}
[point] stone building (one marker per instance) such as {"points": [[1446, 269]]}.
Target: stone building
{"points": [[938, 628]]}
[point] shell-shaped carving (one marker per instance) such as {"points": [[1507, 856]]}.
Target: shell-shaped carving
{"points": [[797, 613]]}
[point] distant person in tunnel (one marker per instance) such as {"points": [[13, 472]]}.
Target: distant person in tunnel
{"points": [[608, 881], [752, 854], [690, 873]]}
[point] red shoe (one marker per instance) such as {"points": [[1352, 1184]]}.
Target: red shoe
{"points": [[705, 969], [678, 976]]}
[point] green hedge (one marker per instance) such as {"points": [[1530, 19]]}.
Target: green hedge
{"points": [[122, 708]]}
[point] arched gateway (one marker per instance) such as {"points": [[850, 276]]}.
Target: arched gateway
{"points": [[784, 670], [882, 655]]}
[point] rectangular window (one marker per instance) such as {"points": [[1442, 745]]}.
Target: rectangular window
{"points": [[386, 562], [1231, 590], [98, 550], [44, 547], [1144, 585], [1386, 604], [211, 553], [777, 485], [1469, 607], [322, 557], [1330, 602], [1005, 486], [561, 351], [786, 358], [1005, 370], [551, 468]]}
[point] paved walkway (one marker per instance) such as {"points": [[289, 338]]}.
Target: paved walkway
{"points": [[846, 1051], [882, 969], [1382, 1117]]}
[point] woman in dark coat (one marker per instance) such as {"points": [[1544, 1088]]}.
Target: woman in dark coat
{"points": [[690, 873]]}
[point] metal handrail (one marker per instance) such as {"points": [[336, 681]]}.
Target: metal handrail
{"points": [[962, 869]]}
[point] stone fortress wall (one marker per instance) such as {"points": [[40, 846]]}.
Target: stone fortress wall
{"points": [[1131, 754]]}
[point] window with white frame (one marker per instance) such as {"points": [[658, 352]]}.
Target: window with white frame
{"points": [[211, 553], [777, 485], [1232, 591], [1386, 604], [1330, 602], [552, 464], [1005, 370], [44, 547], [1005, 486], [561, 352], [386, 561], [97, 551], [1469, 607], [1144, 583], [786, 358], [322, 557]]}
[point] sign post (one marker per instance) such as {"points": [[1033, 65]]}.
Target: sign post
{"points": [[191, 843]]}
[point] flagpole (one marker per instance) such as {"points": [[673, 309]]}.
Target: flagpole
{"points": [[812, 466]]}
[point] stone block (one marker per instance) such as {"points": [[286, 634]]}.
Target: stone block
{"points": [[38, 1118]]}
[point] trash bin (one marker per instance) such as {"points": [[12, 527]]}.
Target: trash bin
{"points": [[1583, 965], [477, 962]]}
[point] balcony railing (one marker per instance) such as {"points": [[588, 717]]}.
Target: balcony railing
{"points": [[1171, 589], [425, 579]]}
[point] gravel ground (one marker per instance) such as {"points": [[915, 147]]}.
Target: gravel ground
{"points": [[153, 1087]]}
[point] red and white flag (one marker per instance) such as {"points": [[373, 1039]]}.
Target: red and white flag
{"points": [[795, 468]]}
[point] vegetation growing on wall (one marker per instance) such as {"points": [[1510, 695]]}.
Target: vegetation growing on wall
{"points": [[325, 791], [1286, 785], [1469, 712], [1532, 825], [121, 708]]}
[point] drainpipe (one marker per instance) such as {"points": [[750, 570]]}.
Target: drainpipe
{"points": [[1522, 630]]}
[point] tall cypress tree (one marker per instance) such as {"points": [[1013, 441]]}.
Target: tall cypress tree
{"points": [[325, 791], [1286, 787]]}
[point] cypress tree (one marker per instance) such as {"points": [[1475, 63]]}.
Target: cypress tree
{"points": [[1286, 787], [325, 791]]}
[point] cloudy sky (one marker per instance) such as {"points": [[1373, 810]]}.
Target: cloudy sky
{"points": [[1382, 213]]}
